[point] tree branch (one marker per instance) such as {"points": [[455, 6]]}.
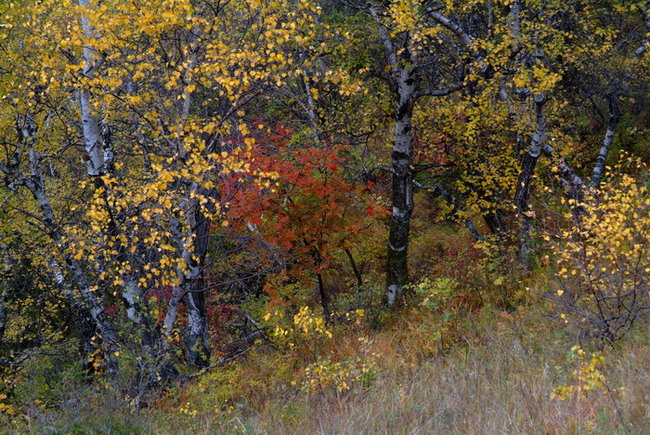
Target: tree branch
{"points": [[454, 27], [433, 92]]}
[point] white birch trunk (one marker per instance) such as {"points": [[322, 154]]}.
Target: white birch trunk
{"points": [[402, 185], [528, 163], [4, 290], [191, 288], [599, 166], [89, 299], [90, 122]]}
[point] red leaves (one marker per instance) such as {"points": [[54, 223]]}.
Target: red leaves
{"points": [[332, 167], [309, 209]]}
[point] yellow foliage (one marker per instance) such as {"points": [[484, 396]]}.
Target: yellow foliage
{"points": [[601, 254], [586, 378]]}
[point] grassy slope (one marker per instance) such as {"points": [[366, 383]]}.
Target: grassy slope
{"points": [[496, 377]]}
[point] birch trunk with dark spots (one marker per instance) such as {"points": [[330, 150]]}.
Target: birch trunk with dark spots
{"points": [[99, 158], [86, 300], [522, 194], [177, 293], [196, 336], [193, 241], [89, 299], [407, 75], [5, 288], [95, 157], [573, 184], [4, 293], [402, 184], [599, 166]]}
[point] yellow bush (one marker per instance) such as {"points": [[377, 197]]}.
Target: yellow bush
{"points": [[602, 256], [339, 376], [587, 377]]}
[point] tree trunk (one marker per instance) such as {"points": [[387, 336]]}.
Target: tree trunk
{"points": [[196, 336], [5, 288], [494, 223], [195, 289], [324, 298], [402, 186], [522, 194], [311, 108], [599, 166], [355, 269], [178, 292], [172, 309], [91, 126], [88, 299], [3, 308], [99, 158]]}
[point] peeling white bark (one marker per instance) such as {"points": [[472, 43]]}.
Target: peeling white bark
{"points": [[599, 166], [4, 290], [191, 289], [402, 180], [524, 181], [90, 123], [393, 291], [89, 299]]}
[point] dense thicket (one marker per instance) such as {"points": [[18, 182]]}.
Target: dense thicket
{"points": [[180, 177]]}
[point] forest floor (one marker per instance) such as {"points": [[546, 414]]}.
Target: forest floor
{"points": [[497, 374]]}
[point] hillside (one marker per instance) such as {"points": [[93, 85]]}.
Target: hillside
{"points": [[324, 216]]}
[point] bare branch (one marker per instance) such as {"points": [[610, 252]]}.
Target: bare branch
{"points": [[433, 92]]}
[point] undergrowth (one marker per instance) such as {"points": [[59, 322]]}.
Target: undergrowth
{"points": [[482, 372]]}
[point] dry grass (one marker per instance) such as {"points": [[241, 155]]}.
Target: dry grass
{"points": [[497, 379]]}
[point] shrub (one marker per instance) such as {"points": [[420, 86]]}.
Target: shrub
{"points": [[602, 257], [339, 376], [586, 377]]}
